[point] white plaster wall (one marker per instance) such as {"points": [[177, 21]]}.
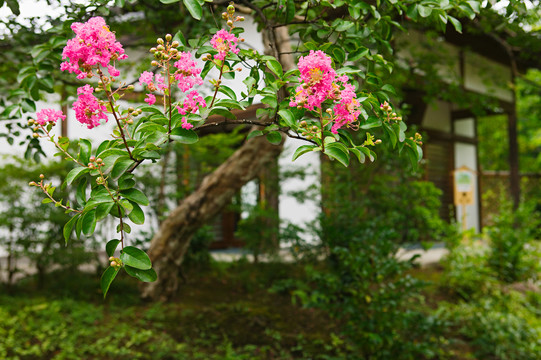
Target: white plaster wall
{"points": [[305, 211], [487, 77], [465, 127], [438, 116]]}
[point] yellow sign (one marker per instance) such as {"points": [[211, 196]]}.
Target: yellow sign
{"points": [[464, 180]]}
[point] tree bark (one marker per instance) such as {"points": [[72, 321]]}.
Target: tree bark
{"points": [[170, 243]]}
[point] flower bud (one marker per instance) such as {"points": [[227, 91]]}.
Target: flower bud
{"points": [[175, 44], [160, 48], [168, 37], [130, 88], [35, 135], [99, 161], [129, 121], [113, 263], [92, 159], [229, 23], [378, 141], [159, 41], [41, 176], [230, 9], [32, 183], [31, 122], [154, 63], [111, 258], [303, 123]]}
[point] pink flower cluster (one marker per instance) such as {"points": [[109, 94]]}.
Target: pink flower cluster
{"points": [[191, 104], [94, 44], [88, 110], [224, 42], [46, 116], [187, 74], [147, 78], [319, 82], [347, 110]]}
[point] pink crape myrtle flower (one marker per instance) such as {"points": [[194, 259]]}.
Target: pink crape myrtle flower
{"points": [[150, 99], [94, 44], [347, 110], [319, 82], [46, 116], [187, 74], [224, 42], [191, 104], [317, 79], [160, 82], [147, 78], [88, 109]]}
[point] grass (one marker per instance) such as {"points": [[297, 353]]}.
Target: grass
{"points": [[224, 312]]}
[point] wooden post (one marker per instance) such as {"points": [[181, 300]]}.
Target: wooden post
{"points": [[514, 177]]}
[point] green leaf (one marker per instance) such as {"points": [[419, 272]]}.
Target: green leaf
{"points": [[85, 148], [288, 117], [184, 136], [227, 91], [194, 7], [111, 246], [135, 196], [142, 275], [223, 112], [75, 173], [366, 152], [389, 88], [102, 210], [89, 222], [424, 11], [122, 164], [136, 258], [274, 137], [303, 150], [456, 23], [124, 184], [137, 215], [275, 67], [107, 278], [360, 156], [253, 134], [371, 123], [14, 6], [68, 227], [169, 1], [336, 152], [390, 132]]}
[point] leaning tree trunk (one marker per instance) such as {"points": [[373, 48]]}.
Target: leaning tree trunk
{"points": [[172, 240], [170, 243]]}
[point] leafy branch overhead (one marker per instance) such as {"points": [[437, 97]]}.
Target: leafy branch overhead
{"points": [[336, 100]]}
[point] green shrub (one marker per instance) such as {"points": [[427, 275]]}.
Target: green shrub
{"points": [[496, 329], [364, 286], [466, 273], [513, 255]]}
